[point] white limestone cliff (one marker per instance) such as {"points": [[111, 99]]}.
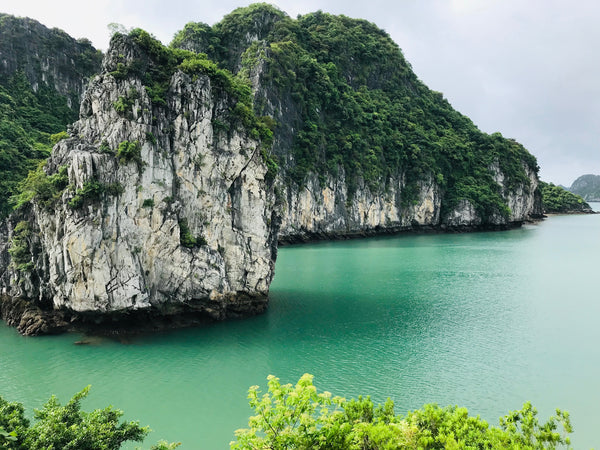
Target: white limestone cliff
{"points": [[123, 250], [321, 210]]}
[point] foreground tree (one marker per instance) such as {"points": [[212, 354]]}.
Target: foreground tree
{"points": [[68, 427], [293, 417], [298, 417]]}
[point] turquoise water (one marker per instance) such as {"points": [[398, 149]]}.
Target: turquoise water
{"points": [[482, 320]]}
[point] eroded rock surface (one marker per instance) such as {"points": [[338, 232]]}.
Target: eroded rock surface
{"points": [[164, 212]]}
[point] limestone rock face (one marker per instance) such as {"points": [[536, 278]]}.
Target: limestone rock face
{"points": [[525, 201], [47, 57], [324, 209], [463, 215], [588, 187], [179, 219]]}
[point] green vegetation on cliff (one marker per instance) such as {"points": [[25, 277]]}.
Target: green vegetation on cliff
{"points": [[27, 122], [331, 94], [558, 200], [31, 121], [47, 56], [45, 188], [353, 103], [155, 66]]}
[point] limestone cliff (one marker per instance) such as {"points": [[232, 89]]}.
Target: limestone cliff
{"points": [[47, 57], [588, 187], [164, 212], [168, 199], [43, 73], [363, 146], [324, 210]]}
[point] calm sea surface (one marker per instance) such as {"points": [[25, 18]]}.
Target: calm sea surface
{"points": [[482, 320]]}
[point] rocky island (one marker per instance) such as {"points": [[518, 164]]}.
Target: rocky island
{"points": [[164, 203], [588, 187]]}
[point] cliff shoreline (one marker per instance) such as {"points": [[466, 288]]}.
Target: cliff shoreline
{"points": [[164, 205], [312, 237], [31, 320]]}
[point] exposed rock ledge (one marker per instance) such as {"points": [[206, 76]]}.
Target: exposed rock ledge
{"points": [[31, 320], [323, 210], [307, 237]]}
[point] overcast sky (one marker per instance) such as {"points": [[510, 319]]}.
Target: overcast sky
{"points": [[529, 69]]}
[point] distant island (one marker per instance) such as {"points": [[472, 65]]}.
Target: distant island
{"points": [[558, 200], [588, 187]]}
